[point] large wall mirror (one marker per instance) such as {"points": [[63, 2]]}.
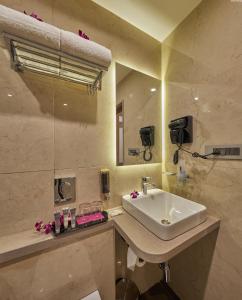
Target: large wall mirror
{"points": [[138, 117]]}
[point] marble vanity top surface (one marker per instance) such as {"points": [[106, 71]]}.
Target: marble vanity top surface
{"points": [[152, 249], [28, 242], [144, 243]]}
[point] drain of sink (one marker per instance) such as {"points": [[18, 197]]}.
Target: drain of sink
{"points": [[165, 221]]}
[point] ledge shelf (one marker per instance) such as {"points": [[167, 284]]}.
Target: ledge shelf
{"points": [[144, 243]]}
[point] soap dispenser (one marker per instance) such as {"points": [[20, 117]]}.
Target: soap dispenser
{"points": [[105, 183]]}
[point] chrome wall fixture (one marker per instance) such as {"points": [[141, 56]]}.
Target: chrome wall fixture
{"points": [[43, 60], [64, 189]]}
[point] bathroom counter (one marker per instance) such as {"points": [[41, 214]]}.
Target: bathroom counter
{"points": [[149, 247], [21, 244], [144, 243]]}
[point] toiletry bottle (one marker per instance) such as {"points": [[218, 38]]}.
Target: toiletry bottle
{"points": [[66, 216], [57, 222], [73, 217]]}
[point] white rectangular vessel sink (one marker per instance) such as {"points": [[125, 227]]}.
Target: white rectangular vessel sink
{"points": [[165, 214]]}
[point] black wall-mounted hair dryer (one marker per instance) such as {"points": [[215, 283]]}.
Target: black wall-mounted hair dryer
{"points": [[181, 130]]}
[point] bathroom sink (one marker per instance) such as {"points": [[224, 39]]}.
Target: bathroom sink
{"points": [[165, 214]]}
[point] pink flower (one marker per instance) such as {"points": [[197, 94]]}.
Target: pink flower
{"points": [[48, 228], [40, 226], [134, 194], [83, 35], [34, 15]]}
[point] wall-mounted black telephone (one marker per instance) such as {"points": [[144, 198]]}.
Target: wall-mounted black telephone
{"points": [[147, 135], [181, 130]]}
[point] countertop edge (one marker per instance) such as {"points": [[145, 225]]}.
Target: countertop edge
{"points": [[48, 242], [178, 244], [162, 250]]}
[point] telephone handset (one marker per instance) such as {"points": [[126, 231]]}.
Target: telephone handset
{"points": [[147, 135]]}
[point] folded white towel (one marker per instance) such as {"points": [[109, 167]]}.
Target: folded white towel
{"points": [[26, 27], [88, 50]]}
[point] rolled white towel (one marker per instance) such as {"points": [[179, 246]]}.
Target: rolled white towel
{"points": [[85, 49], [26, 27]]}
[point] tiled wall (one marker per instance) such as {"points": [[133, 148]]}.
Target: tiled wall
{"points": [[202, 58], [69, 272], [41, 138]]}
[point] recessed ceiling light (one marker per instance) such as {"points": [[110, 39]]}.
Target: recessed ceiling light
{"points": [[65, 104], [153, 89], [10, 95], [196, 98]]}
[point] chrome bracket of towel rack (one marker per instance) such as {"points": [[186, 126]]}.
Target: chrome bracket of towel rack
{"points": [[40, 59]]}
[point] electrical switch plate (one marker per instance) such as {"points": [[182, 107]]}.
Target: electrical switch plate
{"points": [[225, 151], [133, 151]]}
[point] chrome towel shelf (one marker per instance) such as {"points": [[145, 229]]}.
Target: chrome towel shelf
{"points": [[43, 60]]}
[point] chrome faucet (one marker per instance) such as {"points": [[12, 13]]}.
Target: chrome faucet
{"points": [[146, 184]]}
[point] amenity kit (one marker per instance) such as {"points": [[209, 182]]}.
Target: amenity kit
{"points": [[89, 214]]}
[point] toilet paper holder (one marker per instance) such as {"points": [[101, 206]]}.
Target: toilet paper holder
{"points": [[165, 267]]}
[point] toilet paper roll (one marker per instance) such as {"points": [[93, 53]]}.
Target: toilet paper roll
{"points": [[133, 260], [93, 296]]}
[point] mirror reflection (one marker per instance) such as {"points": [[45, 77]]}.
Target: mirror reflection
{"points": [[138, 115]]}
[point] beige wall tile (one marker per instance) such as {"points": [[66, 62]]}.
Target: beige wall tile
{"points": [[76, 270], [74, 125], [26, 120], [37, 132], [123, 180], [126, 179], [25, 198], [40, 133], [202, 58]]}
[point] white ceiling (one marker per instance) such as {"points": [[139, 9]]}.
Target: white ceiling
{"points": [[158, 18]]}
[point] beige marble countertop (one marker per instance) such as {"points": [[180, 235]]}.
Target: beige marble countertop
{"points": [[144, 243], [152, 249], [21, 244]]}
